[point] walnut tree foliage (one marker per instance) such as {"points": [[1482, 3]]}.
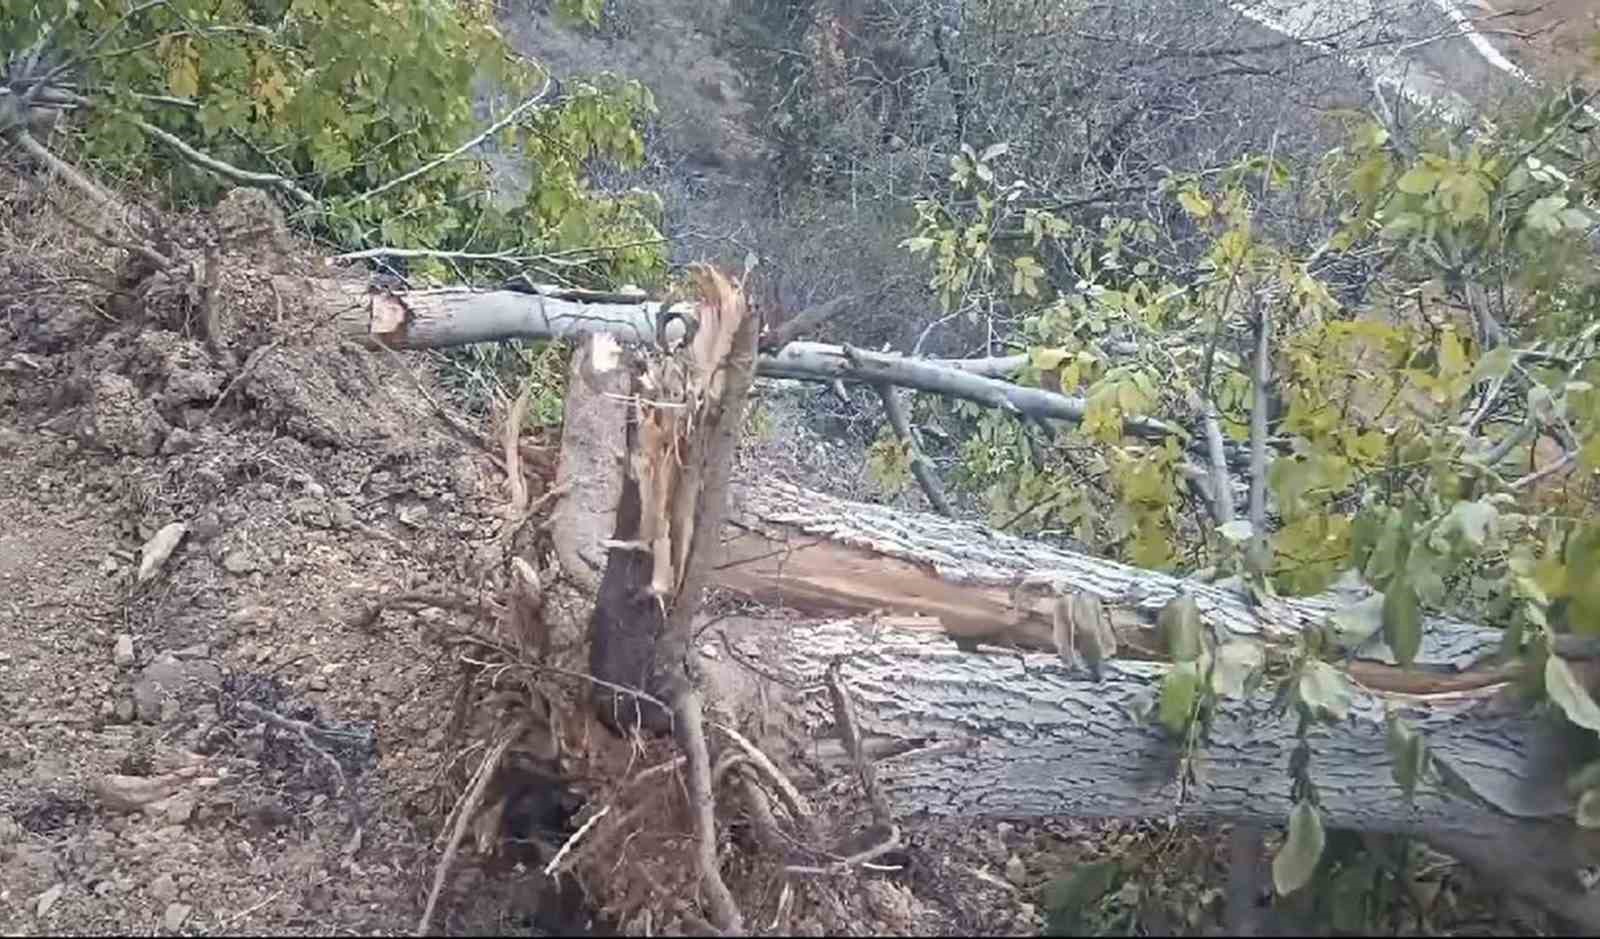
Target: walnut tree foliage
{"points": [[1437, 441], [340, 97]]}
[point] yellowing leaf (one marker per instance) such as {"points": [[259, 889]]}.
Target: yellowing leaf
{"points": [[183, 71], [1195, 204]]}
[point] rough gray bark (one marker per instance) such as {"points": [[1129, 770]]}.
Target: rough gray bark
{"points": [[592, 473], [1021, 735], [1013, 735]]}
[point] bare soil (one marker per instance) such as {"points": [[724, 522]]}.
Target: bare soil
{"points": [[322, 481]]}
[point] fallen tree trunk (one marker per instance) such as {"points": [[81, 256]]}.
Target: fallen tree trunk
{"points": [[1015, 733]]}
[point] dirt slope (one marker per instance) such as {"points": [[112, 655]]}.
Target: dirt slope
{"points": [[323, 478]]}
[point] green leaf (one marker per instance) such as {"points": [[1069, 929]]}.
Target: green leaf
{"points": [[1409, 752], [1402, 621], [1324, 689], [1587, 814], [1235, 662], [1179, 691], [1475, 522], [1494, 364], [1418, 181], [1356, 623], [1179, 624], [1545, 214], [1297, 859], [1565, 689]]}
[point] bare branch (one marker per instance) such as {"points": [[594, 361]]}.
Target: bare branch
{"points": [[488, 132], [921, 466]]}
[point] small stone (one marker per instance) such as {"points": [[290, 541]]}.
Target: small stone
{"points": [[123, 711], [180, 441], [104, 888], [315, 490], [413, 516], [237, 562], [48, 899], [317, 683], [206, 526], [123, 653], [110, 567], [163, 889], [175, 915], [341, 515], [177, 809], [1016, 871]]}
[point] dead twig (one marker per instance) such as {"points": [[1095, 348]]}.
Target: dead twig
{"points": [[570, 843], [441, 601], [301, 729], [850, 734], [858, 859], [692, 738], [464, 811], [796, 802]]}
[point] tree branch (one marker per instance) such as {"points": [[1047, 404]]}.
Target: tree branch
{"points": [[488, 132], [921, 466]]}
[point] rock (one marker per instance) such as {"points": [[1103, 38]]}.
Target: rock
{"points": [[412, 516], [169, 680], [180, 441], [9, 830], [341, 515], [124, 711], [206, 526], [1016, 871], [121, 793], [310, 512], [238, 562], [163, 889], [317, 683], [174, 810], [122, 654], [160, 547], [48, 899], [175, 915]]}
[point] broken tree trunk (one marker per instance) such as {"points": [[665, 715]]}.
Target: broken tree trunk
{"points": [[1014, 732], [682, 417]]}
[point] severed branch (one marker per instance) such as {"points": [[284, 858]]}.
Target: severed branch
{"points": [[921, 466]]}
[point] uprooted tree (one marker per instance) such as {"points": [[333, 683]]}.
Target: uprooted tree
{"points": [[1427, 446]]}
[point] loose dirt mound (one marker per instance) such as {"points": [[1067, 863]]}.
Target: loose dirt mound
{"points": [[231, 745]]}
